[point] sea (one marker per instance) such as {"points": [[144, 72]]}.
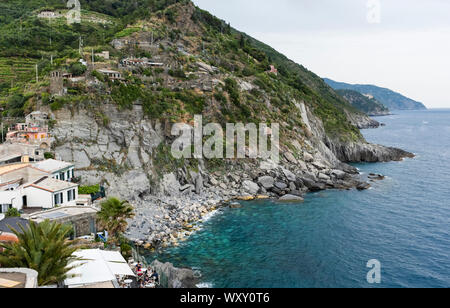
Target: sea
{"points": [[397, 232]]}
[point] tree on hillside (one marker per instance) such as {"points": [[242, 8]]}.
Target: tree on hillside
{"points": [[43, 247], [113, 216]]}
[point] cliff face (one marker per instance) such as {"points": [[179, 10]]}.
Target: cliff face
{"points": [[366, 104], [125, 157]]}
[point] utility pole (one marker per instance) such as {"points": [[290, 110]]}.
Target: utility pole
{"points": [[80, 45], [51, 60], [37, 74]]}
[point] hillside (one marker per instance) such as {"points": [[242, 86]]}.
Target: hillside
{"points": [[160, 62], [392, 100], [366, 104]]}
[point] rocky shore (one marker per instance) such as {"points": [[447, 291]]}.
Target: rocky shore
{"points": [[171, 217]]}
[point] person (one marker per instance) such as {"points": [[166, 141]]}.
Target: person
{"points": [[156, 276]]}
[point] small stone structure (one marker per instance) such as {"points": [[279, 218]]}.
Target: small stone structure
{"points": [[82, 218], [57, 83]]}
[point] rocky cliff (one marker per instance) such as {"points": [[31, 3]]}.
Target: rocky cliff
{"points": [[125, 157]]}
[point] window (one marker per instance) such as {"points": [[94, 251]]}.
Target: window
{"points": [[59, 198], [71, 195], [61, 176], [68, 175], [5, 207], [73, 174]]}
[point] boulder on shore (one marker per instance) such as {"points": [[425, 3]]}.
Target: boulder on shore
{"points": [[267, 182], [291, 198]]}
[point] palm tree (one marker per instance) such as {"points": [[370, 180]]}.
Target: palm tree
{"points": [[43, 247], [113, 216]]}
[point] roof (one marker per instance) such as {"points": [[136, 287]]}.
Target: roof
{"points": [[14, 222], [106, 71], [12, 280], [52, 165], [8, 237], [8, 168], [62, 212], [11, 156], [18, 278], [96, 266], [51, 185]]}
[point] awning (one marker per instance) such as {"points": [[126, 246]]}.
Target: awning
{"points": [[96, 266]]}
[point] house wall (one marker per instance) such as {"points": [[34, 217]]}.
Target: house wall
{"points": [[57, 175], [11, 199], [39, 198]]}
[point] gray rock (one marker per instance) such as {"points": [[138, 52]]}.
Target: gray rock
{"points": [[280, 185], [188, 187], [363, 186], [235, 205], [266, 181], [289, 175], [323, 177], [81, 159], [291, 198], [174, 278], [290, 158], [292, 186], [308, 157], [250, 187], [199, 184], [319, 165], [339, 174]]}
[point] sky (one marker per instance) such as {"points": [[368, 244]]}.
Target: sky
{"points": [[403, 45]]}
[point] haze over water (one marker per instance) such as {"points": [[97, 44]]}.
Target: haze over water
{"points": [[403, 221]]}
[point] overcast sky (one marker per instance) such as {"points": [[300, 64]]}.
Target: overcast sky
{"points": [[404, 47]]}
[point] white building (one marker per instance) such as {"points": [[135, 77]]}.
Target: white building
{"points": [[59, 170], [10, 199], [48, 193], [25, 186]]}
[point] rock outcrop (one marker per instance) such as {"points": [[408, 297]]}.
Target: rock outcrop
{"points": [[174, 278]]}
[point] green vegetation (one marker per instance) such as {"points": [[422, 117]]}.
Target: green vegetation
{"points": [[43, 247], [87, 190], [49, 155], [77, 69], [113, 217], [12, 212], [368, 105]]}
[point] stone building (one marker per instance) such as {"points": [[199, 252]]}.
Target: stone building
{"points": [[57, 83], [82, 218]]}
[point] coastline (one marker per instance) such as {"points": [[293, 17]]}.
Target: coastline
{"points": [[195, 212]]}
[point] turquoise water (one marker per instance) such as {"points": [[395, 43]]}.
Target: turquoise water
{"points": [[403, 221]]}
